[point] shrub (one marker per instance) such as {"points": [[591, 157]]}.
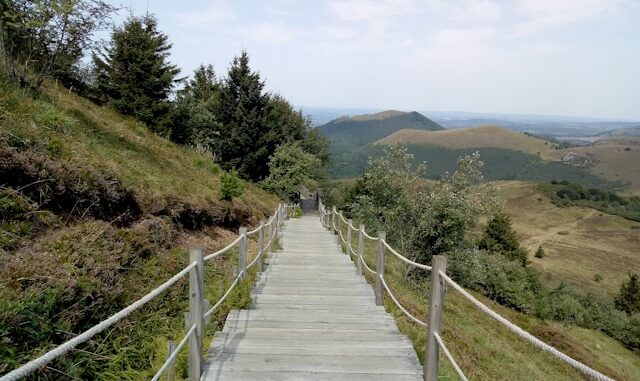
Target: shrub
{"points": [[232, 186], [598, 277], [628, 300], [540, 252]]}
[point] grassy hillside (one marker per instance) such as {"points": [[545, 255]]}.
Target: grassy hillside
{"points": [[474, 137], [95, 211], [348, 132], [579, 242]]}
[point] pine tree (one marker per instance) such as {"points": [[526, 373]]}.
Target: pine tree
{"points": [[134, 74], [194, 122], [499, 237], [629, 298], [242, 110]]}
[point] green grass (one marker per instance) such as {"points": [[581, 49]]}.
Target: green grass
{"points": [[485, 349]]}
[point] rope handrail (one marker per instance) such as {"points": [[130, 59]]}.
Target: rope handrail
{"points": [[342, 218], [174, 354], [524, 334], [364, 263], [405, 259], [453, 362], [224, 297], [223, 250], [409, 315], [60, 350], [368, 236]]}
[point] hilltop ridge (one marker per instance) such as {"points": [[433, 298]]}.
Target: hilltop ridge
{"points": [[348, 131]]}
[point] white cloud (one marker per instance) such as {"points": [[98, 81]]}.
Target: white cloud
{"points": [[269, 33], [543, 14], [213, 17]]}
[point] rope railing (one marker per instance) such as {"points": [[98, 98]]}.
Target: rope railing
{"points": [[223, 250], [524, 334], [196, 316], [405, 259], [172, 357], [397, 303], [333, 220], [453, 362], [62, 349]]}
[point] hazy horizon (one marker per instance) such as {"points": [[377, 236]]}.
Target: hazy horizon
{"points": [[575, 58]]}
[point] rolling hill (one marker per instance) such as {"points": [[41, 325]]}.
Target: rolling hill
{"points": [[347, 132], [474, 137]]}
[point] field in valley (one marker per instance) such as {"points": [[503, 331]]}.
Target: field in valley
{"points": [[578, 242]]}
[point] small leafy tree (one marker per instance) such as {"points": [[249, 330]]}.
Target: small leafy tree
{"points": [[290, 168], [540, 252], [499, 237], [231, 186], [47, 38], [418, 218], [628, 300]]}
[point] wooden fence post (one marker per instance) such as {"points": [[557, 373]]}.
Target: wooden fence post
{"points": [[195, 314], [270, 231], [349, 222], [439, 263], [380, 269], [171, 369], [242, 253], [333, 219], [261, 247], [360, 248]]}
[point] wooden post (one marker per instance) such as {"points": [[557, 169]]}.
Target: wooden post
{"points": [[349, 222], [434, 318], [333, 219], [380, 269], [242, 253], [195, 314], [261, 247], [270, 231], [171, 369], [277, 222], [360, 248]]}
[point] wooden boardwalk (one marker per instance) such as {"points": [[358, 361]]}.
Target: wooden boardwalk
{"points": [[312, 318]]}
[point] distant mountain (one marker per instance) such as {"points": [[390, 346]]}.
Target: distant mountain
{"points": [[347, 132]]}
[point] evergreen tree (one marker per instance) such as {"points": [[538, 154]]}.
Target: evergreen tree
{"points": [[195, 122], [499, 237], [134, 74], [629, 298], [242, 111]]}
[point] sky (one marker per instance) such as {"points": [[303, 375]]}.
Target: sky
{"points": [[551, 57]]}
